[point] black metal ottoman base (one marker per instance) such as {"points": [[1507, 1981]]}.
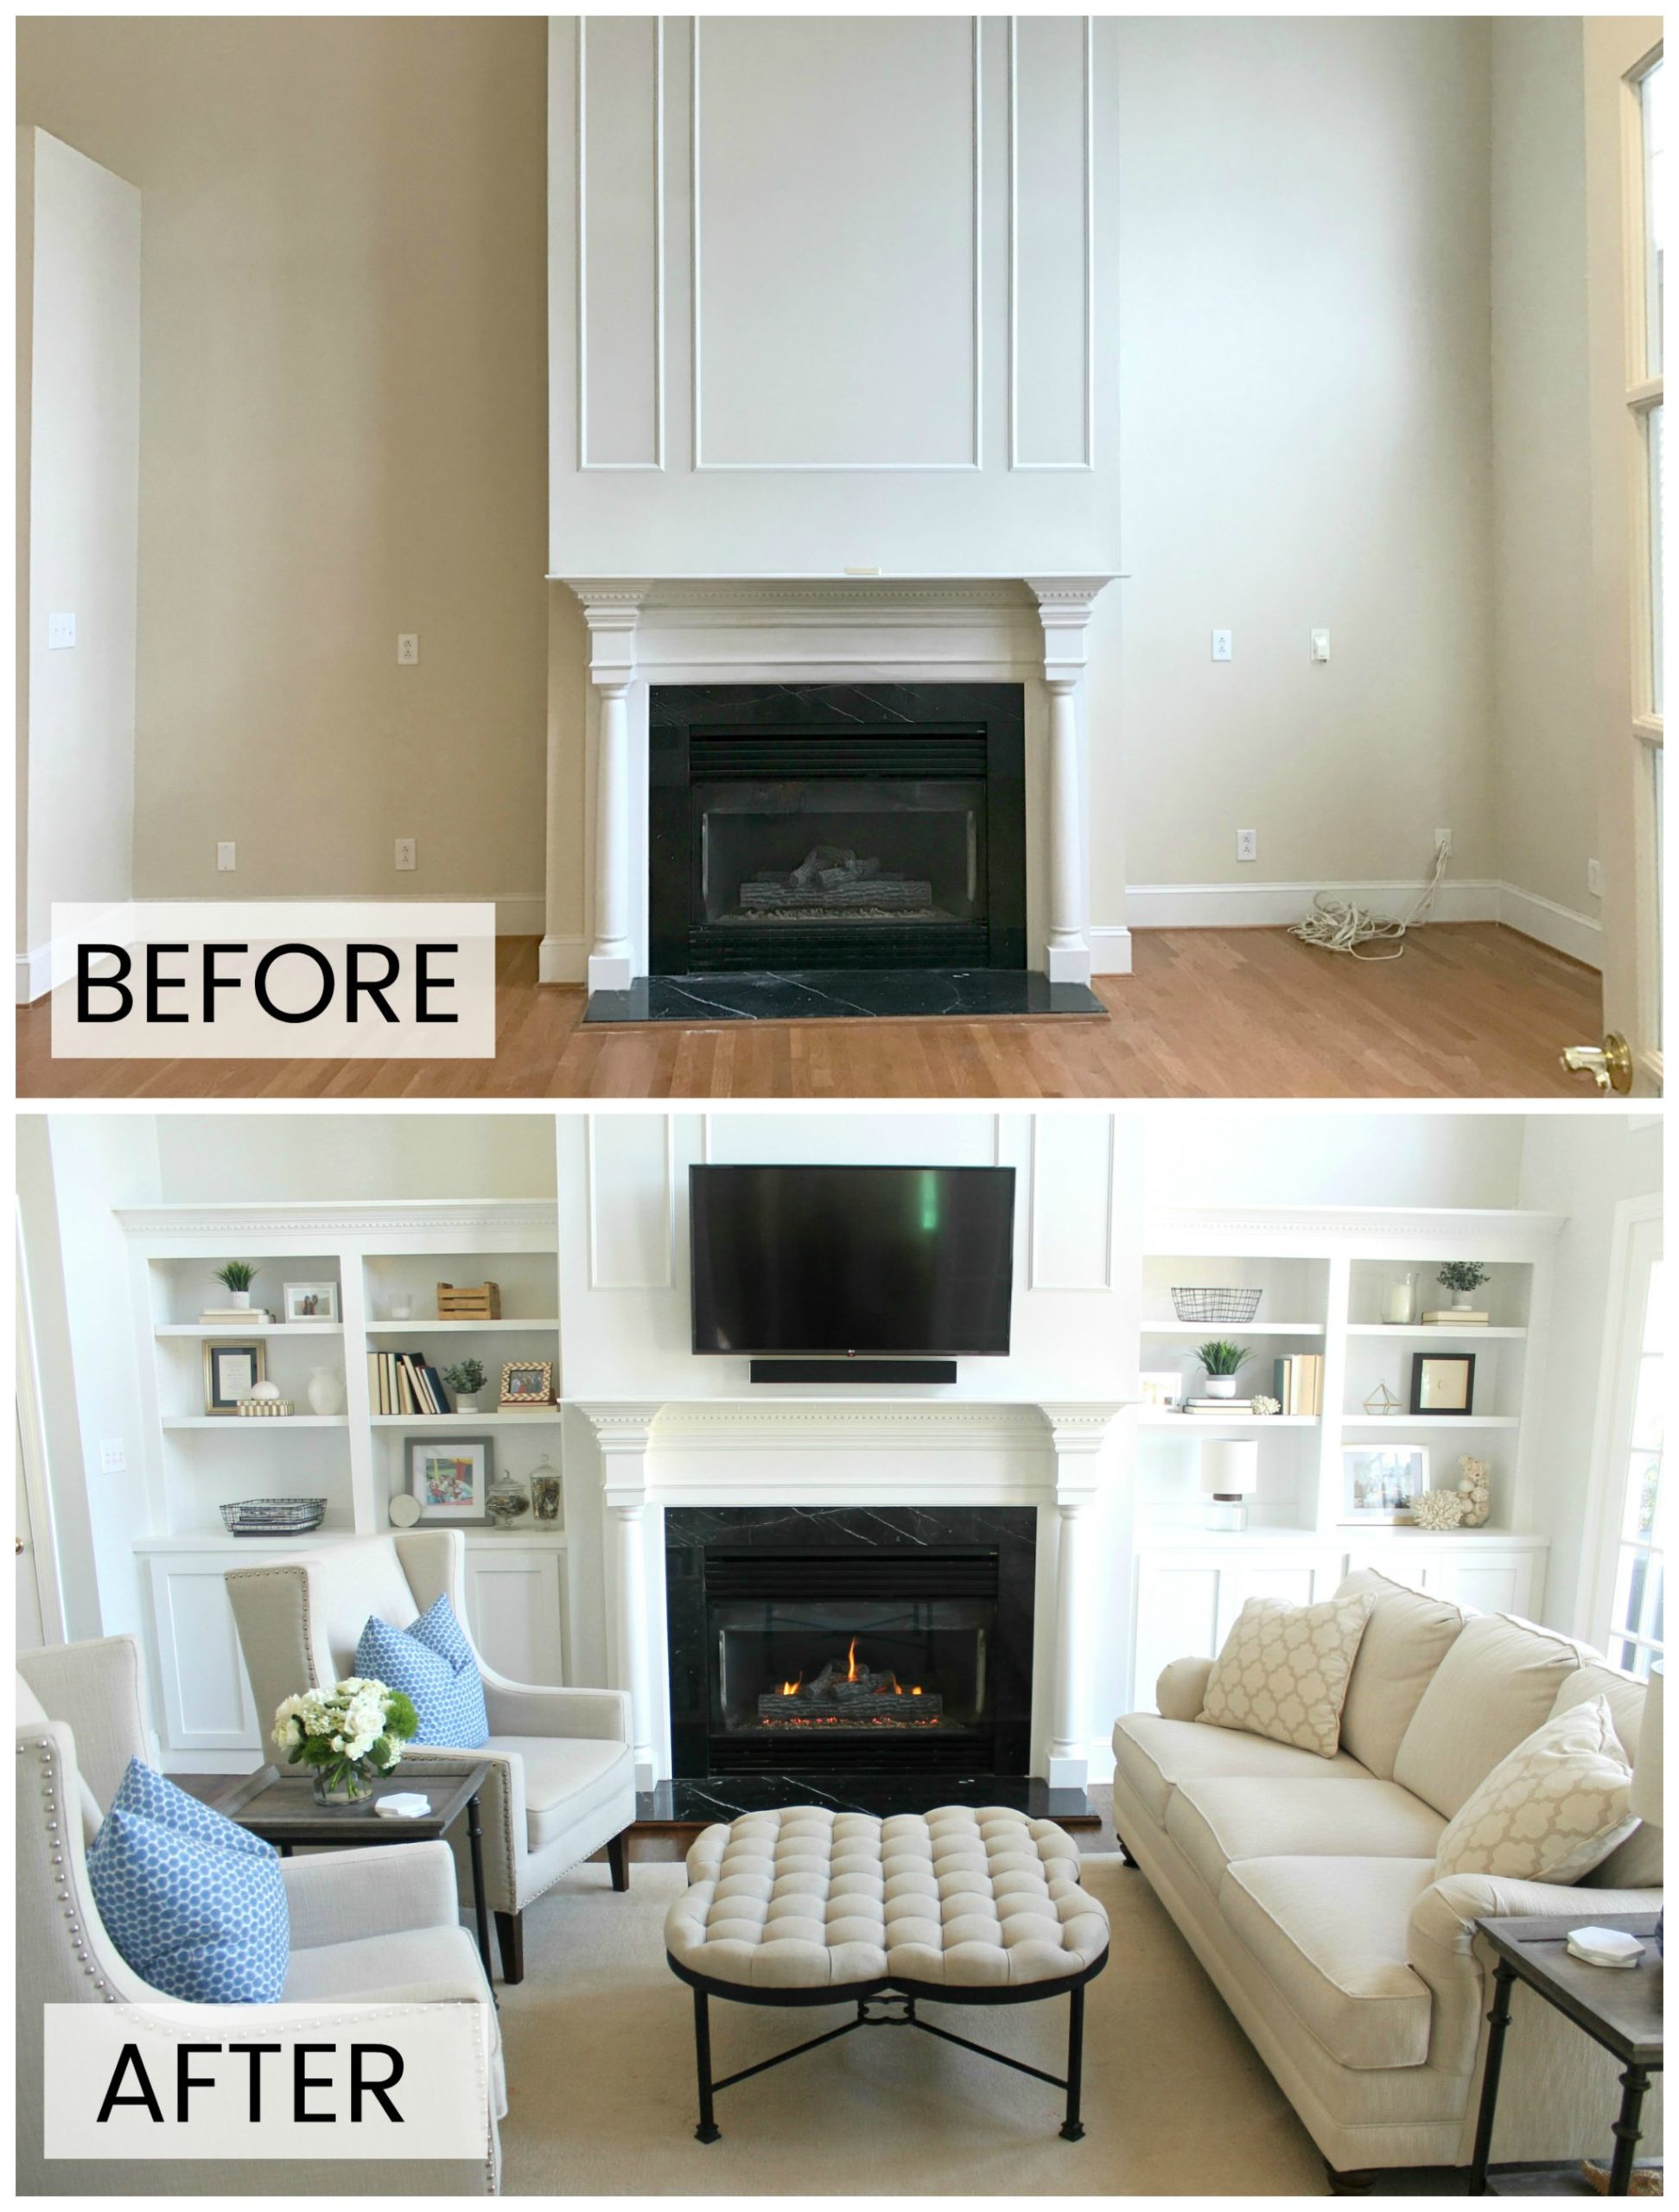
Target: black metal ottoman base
{"points": [[887, 1995]]}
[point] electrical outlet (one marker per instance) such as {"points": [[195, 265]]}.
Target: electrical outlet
{"points": [[1594, 878], [1443, 843], [1223, 644], [226, 860], [406, 853], [113, 1456], [1247, 844], [61, 632], [408, 649]]}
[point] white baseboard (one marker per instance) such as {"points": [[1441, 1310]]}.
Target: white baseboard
{"points": [[563, 960], [34, 974], [1111, 950], [1560, 927], [1274, 905]]}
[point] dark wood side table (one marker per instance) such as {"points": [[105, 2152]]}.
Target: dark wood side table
{"points": [[1619, 2007], [283, 1810]]}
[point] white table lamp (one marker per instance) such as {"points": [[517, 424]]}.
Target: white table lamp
{"points": [[1230, 1474]]}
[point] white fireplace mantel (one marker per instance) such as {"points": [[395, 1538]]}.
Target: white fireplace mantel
{"points": [[810, 630], [826, 1452]]}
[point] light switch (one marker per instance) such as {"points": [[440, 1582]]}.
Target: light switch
{"points": [[224, 857], [61, 632], [408, 649], [113, 1456], [1594, 878], [1222, 644], [1320, 644]]}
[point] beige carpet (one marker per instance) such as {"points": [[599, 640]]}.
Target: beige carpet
{"points": [[600, 2077]]}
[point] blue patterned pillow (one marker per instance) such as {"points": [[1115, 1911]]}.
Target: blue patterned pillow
{"points": [[194, 1903], [433, 1664]]}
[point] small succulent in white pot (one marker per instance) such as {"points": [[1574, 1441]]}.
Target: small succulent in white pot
{"points": [[1221, 1363], [1462, 1278], [465, 1379], [236, 1279]]}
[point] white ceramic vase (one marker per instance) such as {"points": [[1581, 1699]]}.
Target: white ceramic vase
{"points": [[326, 1392], [239, 1298], [1221, 1386], [467, 1405]]}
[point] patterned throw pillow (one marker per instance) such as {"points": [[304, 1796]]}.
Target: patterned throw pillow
{"points": [[1284, 1669], [195, 1905], [434, 1665], [1552, 1809]]}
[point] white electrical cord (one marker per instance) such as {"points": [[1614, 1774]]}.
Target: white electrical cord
{"points": [[1339, 926]]}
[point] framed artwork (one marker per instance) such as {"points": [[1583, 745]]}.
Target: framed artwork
{"points": [[1162, 1389], [527, 1382], [230, 1372], [311, 1301], [1379, 1481], [1443, 1383], [449, 1477]]}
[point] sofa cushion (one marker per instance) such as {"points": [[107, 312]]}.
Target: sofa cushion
{"points": [[1330, 1935], [1404, 1641], [1551, 1811], [566, 1779], [1635, 1864], [411, 1966], [1494, 1687], [1284, 1669], [1154, 1756], [1214, 1822]]}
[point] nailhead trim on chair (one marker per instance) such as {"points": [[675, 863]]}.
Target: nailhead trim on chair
{"points": [[48, 1750]]}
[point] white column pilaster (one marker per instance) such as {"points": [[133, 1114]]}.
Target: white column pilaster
{"points": [[612, 610], [1078, 1435], [1064, 609], [623, 1436]]}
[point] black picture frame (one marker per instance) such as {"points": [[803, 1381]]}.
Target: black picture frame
{"points": [[1421, 1363], [220, 1395]]}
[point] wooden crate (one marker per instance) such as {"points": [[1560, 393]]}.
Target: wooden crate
{"points": [[470, 1301]]}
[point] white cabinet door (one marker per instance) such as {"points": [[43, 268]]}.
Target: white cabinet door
{"points": [[1187, 1601], [207, 1704], [514, 1605], [1494, 1582]]}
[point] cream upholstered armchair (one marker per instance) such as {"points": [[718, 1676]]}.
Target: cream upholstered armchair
{"points": [[371, 1926], [562, 1785]]}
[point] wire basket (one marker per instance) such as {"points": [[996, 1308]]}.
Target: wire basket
{"points": [[274, 1516], [1217, 1305]]}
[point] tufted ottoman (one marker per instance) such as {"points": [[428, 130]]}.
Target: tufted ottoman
{"points": [[965, 1905]]}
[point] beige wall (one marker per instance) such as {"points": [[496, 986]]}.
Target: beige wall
{"points": [[342, 436], [79, 391], [1305, 411], [1547, 787]]}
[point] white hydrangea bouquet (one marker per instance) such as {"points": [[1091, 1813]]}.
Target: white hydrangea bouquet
{"points": [[349, 1734]]}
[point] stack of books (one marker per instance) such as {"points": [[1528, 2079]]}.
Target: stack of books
{"points": [[404, 1382], [1224, 1406], [235, 1317], [1298, 1383], [1458, 1317]]}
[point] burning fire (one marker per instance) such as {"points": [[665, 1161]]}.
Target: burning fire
{"points": [[851, 1661], [791, 1690]]}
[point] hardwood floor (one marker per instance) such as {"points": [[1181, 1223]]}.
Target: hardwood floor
{"points": [[1472, 1010]]}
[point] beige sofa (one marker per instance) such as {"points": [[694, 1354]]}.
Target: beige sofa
{"points": [[1306, 1887]]}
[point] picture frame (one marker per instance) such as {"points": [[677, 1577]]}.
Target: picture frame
{"points": [[1379, 1481], [311, 1301], [1443, 1384], [450, 1478], [527, 1382], [230, 1372], [1162, 1389]]}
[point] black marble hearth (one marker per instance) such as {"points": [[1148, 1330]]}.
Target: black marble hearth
{"points": [[725, 1797], [827, 995]]}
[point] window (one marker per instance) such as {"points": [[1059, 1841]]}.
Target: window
{"points": [[1627, 1614]]}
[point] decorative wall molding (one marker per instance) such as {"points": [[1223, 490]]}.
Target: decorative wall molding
{"points": [[701, 464], [658, 460], [1193, 1229], [451, 1217], [1088, 459], [597, 1280], [1036, 1279]]}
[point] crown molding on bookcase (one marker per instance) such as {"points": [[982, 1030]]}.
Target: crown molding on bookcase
{"points": [[449, 1217], [1213, 1229]]}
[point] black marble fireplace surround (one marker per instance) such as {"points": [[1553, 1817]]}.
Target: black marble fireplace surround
{"points": [[837, 827], [939, 1599]]}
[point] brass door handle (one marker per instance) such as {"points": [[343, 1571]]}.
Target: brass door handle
{"points": [[1609, 1065]]}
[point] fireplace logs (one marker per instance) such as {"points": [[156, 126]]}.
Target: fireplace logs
{"points": [[850, 1696], [832, 877]]}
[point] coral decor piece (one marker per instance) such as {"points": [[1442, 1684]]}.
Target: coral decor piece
{"points": [[1265, 1405], [1438, 1510], [1476, 1491]]}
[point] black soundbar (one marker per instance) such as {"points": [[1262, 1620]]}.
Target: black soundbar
{"points": [[854, 1371]]}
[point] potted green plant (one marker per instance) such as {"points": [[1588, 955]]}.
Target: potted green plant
{"points": [[1462, 1278], [1221, 1363], [465, 1379], [236, 1279], [349, 1735]]}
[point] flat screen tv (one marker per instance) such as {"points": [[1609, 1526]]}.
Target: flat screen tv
{"points": [[872, 1261]]}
